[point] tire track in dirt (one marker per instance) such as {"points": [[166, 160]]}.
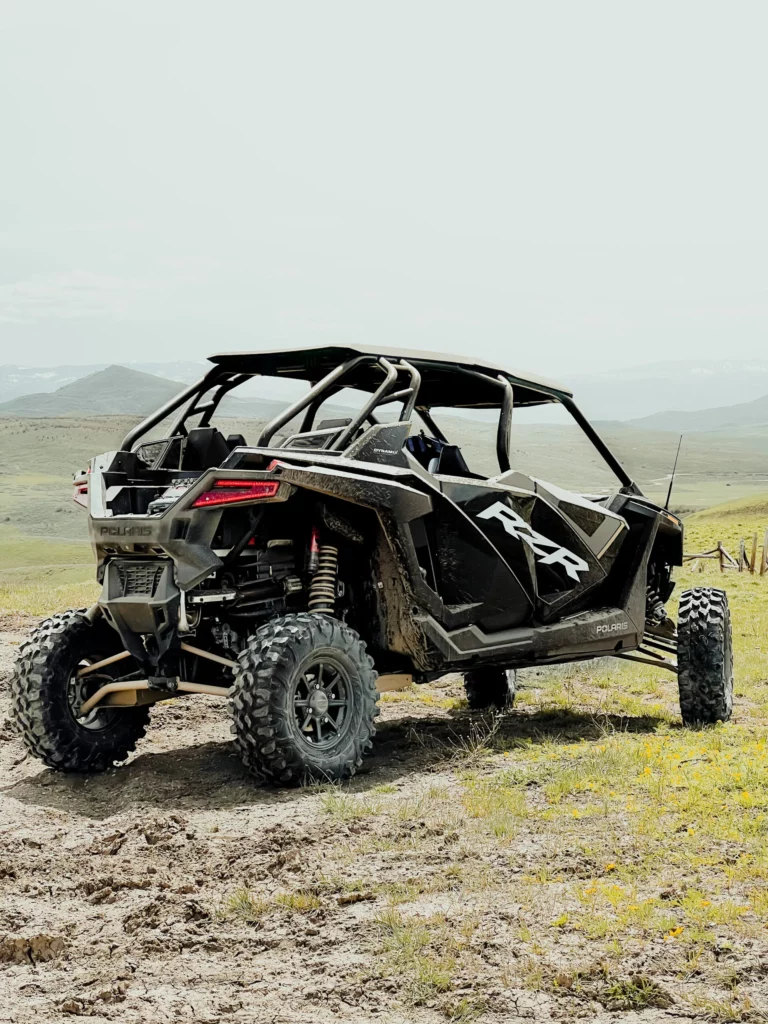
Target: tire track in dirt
{"points": [[112, 886]]}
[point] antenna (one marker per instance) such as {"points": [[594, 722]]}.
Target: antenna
{"points": [[674, 468]]}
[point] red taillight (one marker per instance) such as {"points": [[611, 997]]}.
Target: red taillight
{"points": [[80, 492], [225, 492]]}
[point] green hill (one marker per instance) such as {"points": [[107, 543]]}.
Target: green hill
{"points": [[123, 391], [115, 390]]}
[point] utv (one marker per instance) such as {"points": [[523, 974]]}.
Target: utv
{"points": [[279, 570]]}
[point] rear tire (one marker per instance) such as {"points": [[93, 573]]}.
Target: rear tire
{"points": [[490, 688], [46, 694], [705, 657], [304, 700]]}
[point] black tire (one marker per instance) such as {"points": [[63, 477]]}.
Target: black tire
{"points": [[705, 656], [45, 695], [490, 688], [281, 734]]}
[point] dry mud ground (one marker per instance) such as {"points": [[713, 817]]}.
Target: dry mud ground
{"points": [[175, 888]]}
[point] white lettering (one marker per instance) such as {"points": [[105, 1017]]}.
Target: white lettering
{"points": [[548, 551]]}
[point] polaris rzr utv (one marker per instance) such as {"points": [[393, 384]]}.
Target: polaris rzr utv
{"points": [[288, 568]]}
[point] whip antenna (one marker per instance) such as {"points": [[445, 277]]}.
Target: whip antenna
{"points": [[674, 468]]}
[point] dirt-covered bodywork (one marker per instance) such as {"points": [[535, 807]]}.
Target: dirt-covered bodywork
{"points": [[219, 554]]}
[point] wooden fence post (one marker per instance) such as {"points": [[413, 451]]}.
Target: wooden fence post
{"points": [[764, 561], [753, 560], [742, 554], [720, 554]]}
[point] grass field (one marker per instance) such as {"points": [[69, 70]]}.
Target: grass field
{"points": [[585, 847], [39, 576], [39, 456], [629, 853]]}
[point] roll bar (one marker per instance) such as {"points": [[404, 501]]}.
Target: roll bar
{"points": [[407, 410], [600, 444], [194, 390], [348, 432], [504, 432], [229, 379], [301, 403], [426, 415], [503, 438]]}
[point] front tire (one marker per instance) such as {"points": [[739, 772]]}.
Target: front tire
{"points": [[705, 657], [304, 700], [46, 694], [490, 688]]}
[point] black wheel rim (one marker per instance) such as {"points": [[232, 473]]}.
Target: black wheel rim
{"points": [[322, 703]]}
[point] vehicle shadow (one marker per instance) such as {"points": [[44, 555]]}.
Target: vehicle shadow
{"points": [[210, 775], [425, 743]]}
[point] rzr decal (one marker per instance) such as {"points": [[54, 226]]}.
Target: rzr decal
{"points": [[548, 551]]}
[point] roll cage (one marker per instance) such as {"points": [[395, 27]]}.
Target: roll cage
{"points": [[419, 381]]}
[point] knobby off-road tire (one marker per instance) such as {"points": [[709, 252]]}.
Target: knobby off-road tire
{"points": [[45, 696], [304, 700], [704, 656], [490, 688]]}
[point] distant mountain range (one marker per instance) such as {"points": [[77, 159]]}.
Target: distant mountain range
{"points": [[113, 390], [16, 381], [710, 396], [726, 417], [639, 391], [122, 390]]}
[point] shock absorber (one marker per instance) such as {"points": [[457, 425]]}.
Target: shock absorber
{"points": [[322, 589]]}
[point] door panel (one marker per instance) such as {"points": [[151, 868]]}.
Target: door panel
{"points": [[530, 527], [464, 567]]}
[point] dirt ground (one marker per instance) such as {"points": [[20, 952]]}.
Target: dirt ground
{"points": [[176, 888]]}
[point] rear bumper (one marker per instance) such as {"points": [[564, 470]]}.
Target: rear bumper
{"points": [[182, 532], [186, 539], [140, 597]]}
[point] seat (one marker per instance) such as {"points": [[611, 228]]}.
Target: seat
{"points": [[235, 441], [320, 437], [426, 450], [205, 449], [330, 424], [451, 462], [439, 456]]}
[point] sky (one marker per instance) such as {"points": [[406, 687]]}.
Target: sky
{"points": [[558, 186]]}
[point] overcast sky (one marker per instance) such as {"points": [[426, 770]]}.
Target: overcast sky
{"points": [[553, 184]]}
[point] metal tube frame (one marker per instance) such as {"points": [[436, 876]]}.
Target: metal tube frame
{"points": [[348, 432], [300, 404], [407, 410], [426, 415], [503, 434], [194, 392], [210, 407], [608, 457], [154, 418], [143, 684]]}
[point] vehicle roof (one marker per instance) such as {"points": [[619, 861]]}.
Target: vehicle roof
{"points": [[447, 379]]}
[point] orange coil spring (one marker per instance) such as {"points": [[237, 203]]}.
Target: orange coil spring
{"points": [[322, 589]]}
